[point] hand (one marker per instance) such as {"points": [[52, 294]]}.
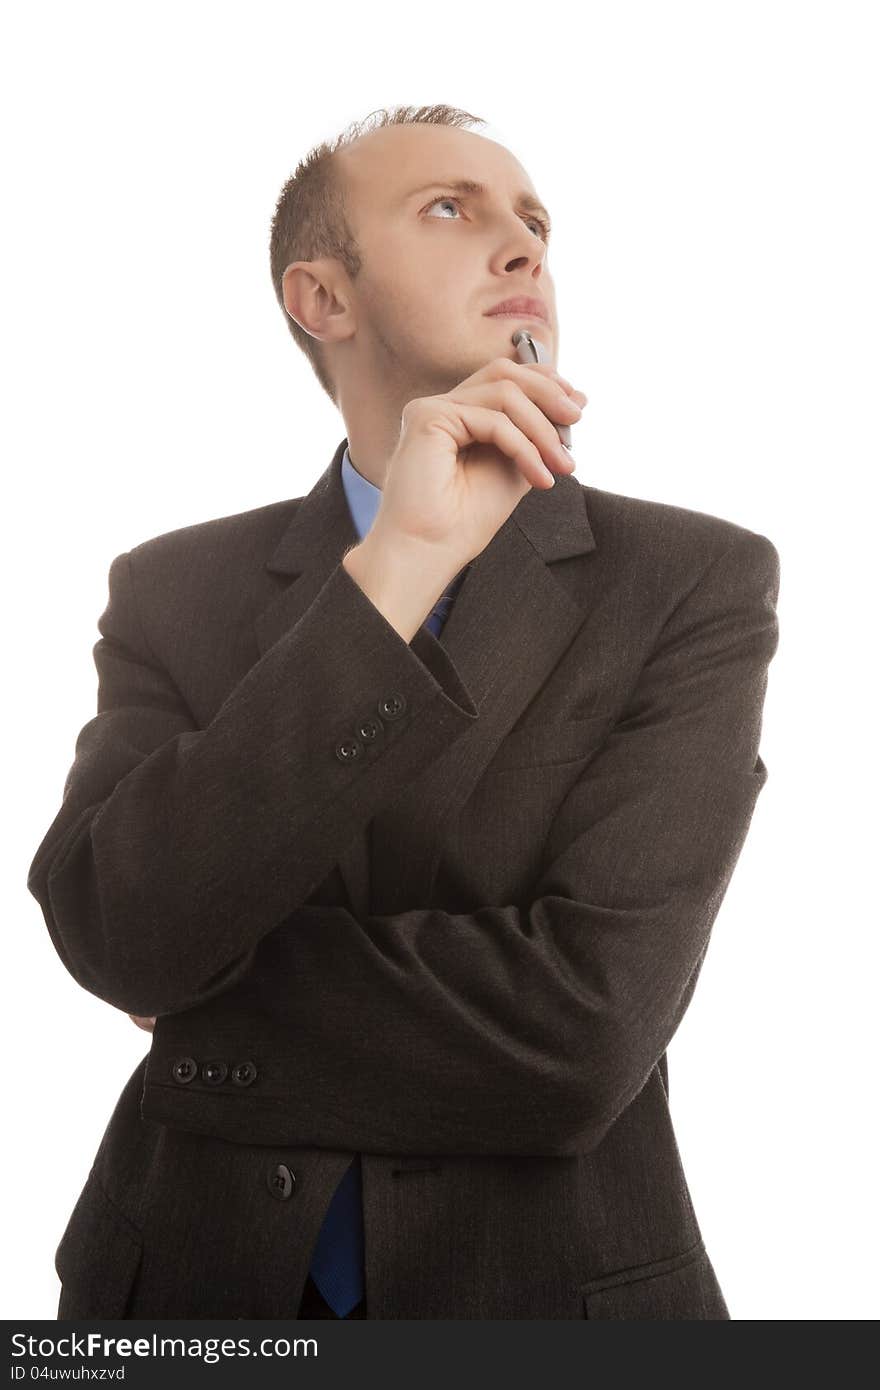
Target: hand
{"points": [[465, 459], [147, 1023]]}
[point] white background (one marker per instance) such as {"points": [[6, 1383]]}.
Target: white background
{"points": [[711, 170]]}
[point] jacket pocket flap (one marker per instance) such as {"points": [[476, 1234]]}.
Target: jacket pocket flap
{"points": [[538, 745], [683, 1287]]}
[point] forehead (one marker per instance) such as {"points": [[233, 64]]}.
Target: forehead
{"points": [[381, 167]]}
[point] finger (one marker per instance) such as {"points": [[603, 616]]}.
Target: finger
{"points": [[500, 367], [531, 416], [513, 370], [145, 1022], [549, 393], [494, 427], [538, 382]]}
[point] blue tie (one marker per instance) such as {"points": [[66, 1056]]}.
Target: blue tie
{"points": [[337, 1266]]}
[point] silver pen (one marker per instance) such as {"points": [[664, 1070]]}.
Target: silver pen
{"points": [[529, 349]]}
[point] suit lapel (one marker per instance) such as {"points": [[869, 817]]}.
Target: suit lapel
{"points": [[319, 533], [512, 620]]}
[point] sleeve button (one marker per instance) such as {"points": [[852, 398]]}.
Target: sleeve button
{"points": [[243, 1073], [183, 1069], [390, 706], [368, 729], [348, 750]]}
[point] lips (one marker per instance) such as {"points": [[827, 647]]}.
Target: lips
{"points": [[523, 305]]}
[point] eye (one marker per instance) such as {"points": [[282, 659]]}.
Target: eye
{"points": [[538, 220], [454, 201]]}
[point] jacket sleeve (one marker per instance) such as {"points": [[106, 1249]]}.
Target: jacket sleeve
{"points": [[528, 1029], [176, 848]]}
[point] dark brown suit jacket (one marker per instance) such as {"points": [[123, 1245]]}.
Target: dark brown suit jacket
{"points": [[442, 904]]}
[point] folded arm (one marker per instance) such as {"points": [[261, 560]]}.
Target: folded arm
{"points": [[176, 849], [528, 1029]]}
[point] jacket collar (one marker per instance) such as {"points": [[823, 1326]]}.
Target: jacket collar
{"points": [[554, 520]]}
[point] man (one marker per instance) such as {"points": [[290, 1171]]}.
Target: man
{"points": [[406, 815]]}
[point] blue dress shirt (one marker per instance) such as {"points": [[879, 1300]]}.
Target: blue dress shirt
{"points": [[363, 497]]}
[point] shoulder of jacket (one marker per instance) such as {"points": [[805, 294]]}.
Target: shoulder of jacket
{"points": [[681, 535], [256, 529]]}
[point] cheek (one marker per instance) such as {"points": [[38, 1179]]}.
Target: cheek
{"points": [[398, 300]]}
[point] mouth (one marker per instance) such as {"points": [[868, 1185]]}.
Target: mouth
{"points": [[520, 307]]}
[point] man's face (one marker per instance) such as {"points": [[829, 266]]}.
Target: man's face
{"points": [[434, 260]]}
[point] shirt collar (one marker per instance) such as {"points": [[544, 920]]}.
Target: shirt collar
{"points": [[363, 497]]}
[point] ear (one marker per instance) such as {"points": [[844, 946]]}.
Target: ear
{"points": [[312, 297]]}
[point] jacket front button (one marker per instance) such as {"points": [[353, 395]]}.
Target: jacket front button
{"points": [[392, 705], [243, 1073], [184, 1069], [280, 1181]]}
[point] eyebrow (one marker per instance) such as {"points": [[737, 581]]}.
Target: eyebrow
{"points": [[527, 201]]}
